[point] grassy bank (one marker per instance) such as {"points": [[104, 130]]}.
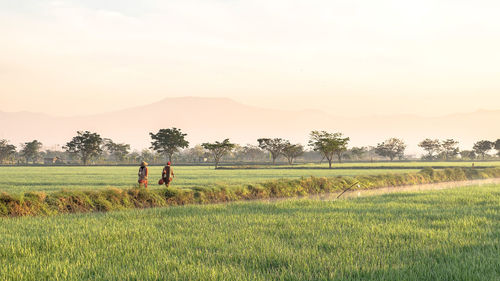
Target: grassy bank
{"points": [[40, 203], [49, 179], [438, 235]]}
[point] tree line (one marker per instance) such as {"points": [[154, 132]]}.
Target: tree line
{"points": [[87, 146]]}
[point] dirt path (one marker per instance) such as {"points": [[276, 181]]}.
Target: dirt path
{"points": [[386, 190]]}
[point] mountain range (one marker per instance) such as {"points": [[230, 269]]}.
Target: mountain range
{"points": [[210, 119]]}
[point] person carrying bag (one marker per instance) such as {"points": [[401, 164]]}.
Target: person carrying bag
{"points": [[167, 175]]}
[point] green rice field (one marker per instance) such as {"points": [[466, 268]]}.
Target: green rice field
{"points": [[24, 179], [47, 179], [449, 234], [408, 164]]}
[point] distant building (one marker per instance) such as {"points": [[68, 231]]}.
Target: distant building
{"points": [[52, 161]]}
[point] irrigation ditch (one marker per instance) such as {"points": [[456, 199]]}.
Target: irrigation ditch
{"points": [[405, 188]]}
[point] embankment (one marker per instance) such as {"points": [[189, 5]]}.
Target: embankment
{"points": [[67, 201]]}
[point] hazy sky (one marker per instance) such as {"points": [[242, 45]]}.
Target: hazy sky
{"points": [[347, 57]]}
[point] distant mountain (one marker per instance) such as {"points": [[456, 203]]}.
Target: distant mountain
{"points": [[209, 119]]}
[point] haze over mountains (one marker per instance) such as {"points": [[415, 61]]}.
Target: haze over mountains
{"points": [[210, 119]]}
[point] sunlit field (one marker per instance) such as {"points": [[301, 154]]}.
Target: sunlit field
{"points": [[409, 164], [23, 179], [440, 235]]}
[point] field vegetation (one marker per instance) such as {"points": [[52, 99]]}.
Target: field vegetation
{"points": [[49, 179], [440, 235], [69, 201]]}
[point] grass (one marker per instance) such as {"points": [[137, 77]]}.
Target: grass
{"points": [[49, 179], [377, 165], [438, 235], [410, 164], [112, 199]]}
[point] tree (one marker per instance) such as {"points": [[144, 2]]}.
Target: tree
{"points": [[117, 150], [358, 152], [431, 146], [497, 146], [328, 144], [85, 145], [218, 149], [168, 141], [482, 147], [468, 154], [6, 150], [449, 148], [391, 148], [342, 146], [147, 155], [292, 151], [236, 154], [253, 152], [134, 157], [274, 146], [195, 153], [31, 150]]}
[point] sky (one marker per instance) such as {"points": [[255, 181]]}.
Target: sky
{"points": [[346, 57]]}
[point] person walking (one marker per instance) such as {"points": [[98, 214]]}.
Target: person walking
{"points": [[143, 174], [167, 174]]}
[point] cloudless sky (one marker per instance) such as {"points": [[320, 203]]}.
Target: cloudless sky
{"points": [[347, 57]]}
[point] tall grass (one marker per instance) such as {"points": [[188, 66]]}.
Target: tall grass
{"points": [[39, 203], [438, 235], [51, 179]]}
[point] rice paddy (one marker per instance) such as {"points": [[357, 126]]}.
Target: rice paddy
{"points": [[434, 235], [47, 179], [451, 234]]}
